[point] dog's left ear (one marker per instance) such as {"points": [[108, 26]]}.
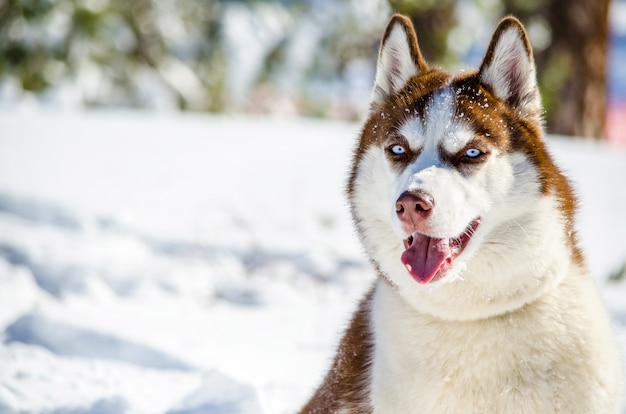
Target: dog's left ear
{"points": [[399, 58], [509, 69]]}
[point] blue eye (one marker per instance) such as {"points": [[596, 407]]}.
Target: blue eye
{"points": [[398, 149], [472, 153]]}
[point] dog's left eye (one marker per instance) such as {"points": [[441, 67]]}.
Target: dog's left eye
{"points": [[398, 149], [472, 153]]}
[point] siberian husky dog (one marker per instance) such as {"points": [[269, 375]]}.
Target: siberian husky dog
{"points": [[483, 303]]}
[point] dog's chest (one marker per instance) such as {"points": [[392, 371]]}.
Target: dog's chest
{"points": [[426, 365]]}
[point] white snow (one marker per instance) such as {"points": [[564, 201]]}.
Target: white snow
{"points": [[156, 263]]}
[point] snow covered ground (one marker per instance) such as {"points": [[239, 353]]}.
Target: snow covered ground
{"points": [[157, 263]]}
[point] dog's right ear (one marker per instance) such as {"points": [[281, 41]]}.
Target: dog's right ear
{"points": [[399, 58]]}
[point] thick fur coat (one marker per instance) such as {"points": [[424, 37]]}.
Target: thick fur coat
{"points": [[483, 303]]}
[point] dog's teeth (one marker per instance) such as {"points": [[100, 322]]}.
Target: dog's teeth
{"points": [[408, 242]]}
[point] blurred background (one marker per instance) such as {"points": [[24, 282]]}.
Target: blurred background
{"points": [[173, 232], [314, 58]]}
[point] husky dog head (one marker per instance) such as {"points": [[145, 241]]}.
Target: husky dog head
{"points": [[458, 204]]}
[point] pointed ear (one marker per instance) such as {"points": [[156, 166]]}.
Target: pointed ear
{"points": [[399, 58], [509, 69]]}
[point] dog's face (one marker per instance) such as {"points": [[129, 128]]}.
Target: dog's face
{"points": [[451, 188]]}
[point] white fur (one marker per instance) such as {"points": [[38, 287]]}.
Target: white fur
{"points": [[441, 129], [443, 126], [538, 359], [516, 328]]}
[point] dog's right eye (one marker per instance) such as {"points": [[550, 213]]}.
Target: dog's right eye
{"points": [[472, 153], [397, 149]]}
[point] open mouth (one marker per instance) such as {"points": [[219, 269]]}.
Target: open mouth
{"points": [[427, 259]]}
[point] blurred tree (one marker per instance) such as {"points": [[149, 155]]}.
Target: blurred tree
{"points": [[323, 62], [28, 54], [433, 20], [143, 53], [310, 57]]}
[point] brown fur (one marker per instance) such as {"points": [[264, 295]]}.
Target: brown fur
{"points": [[344, 384]]}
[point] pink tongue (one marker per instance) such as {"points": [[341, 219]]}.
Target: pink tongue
{"points": [[426, 257]]}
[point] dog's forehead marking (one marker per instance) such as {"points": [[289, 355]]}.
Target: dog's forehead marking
{"points": [[456, 139], [440, 125], [414, 132]]}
